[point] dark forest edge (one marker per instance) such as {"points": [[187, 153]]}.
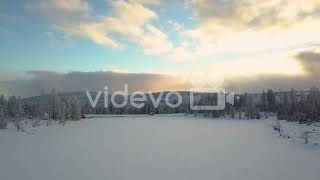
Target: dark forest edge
{"points": [[301, 106]]}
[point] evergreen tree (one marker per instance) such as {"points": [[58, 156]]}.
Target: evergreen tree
{"points": [[75, 109], [55, 103], [19, 113], [12, 106], [3, 109], [62, 112], [271, 101], [263, 101]]}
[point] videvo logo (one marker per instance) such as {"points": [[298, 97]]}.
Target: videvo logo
{"points": [[205, 86], [207, 94], [172, 99], [222, 99]]}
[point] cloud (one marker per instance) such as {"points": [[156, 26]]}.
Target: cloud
{"points": [[57, 40], [267, 64], [310, 60], [62, 13], [5, 76], [176, 26], [192, 45], [222, 26], [131, 20], [262, 34], [248, 27], [276, 82], [155, 41], [133, 12], [94, 81], [150, 2], [299, 71], [257, 14], [43, 75]]}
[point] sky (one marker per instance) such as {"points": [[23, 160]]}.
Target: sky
{"points": [[236, 44]]}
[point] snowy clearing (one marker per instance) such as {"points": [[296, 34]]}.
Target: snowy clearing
{"points": [[293, 132], [171, 147]]}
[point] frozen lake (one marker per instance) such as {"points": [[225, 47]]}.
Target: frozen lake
{"points": [[155, 148]]}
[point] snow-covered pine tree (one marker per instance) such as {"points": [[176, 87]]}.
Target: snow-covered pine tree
{"points": [[12, 106], [75, 109], [87, 109], [312, 104], [292, 104], [62, 112], [263, 101], [3, 107], [55, 102], [19, 113], [271, 100]]}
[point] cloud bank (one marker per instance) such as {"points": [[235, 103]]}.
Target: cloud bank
{"points": [[309, 59], [45, 81]]}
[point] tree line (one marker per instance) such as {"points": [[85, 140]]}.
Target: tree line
{"points": [[302, 106], [53, 107]]}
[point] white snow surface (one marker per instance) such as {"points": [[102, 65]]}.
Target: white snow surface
{"points": [[293, 132], [169, 147]]}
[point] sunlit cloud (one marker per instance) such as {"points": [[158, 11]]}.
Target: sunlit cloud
{"points": [[242, 26], [245, 26], [276, 64], [255, 14], [256, 38], [130, 19]]}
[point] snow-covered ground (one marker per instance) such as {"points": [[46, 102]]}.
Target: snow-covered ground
{"points": [[293, 132], [170, 147]]}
